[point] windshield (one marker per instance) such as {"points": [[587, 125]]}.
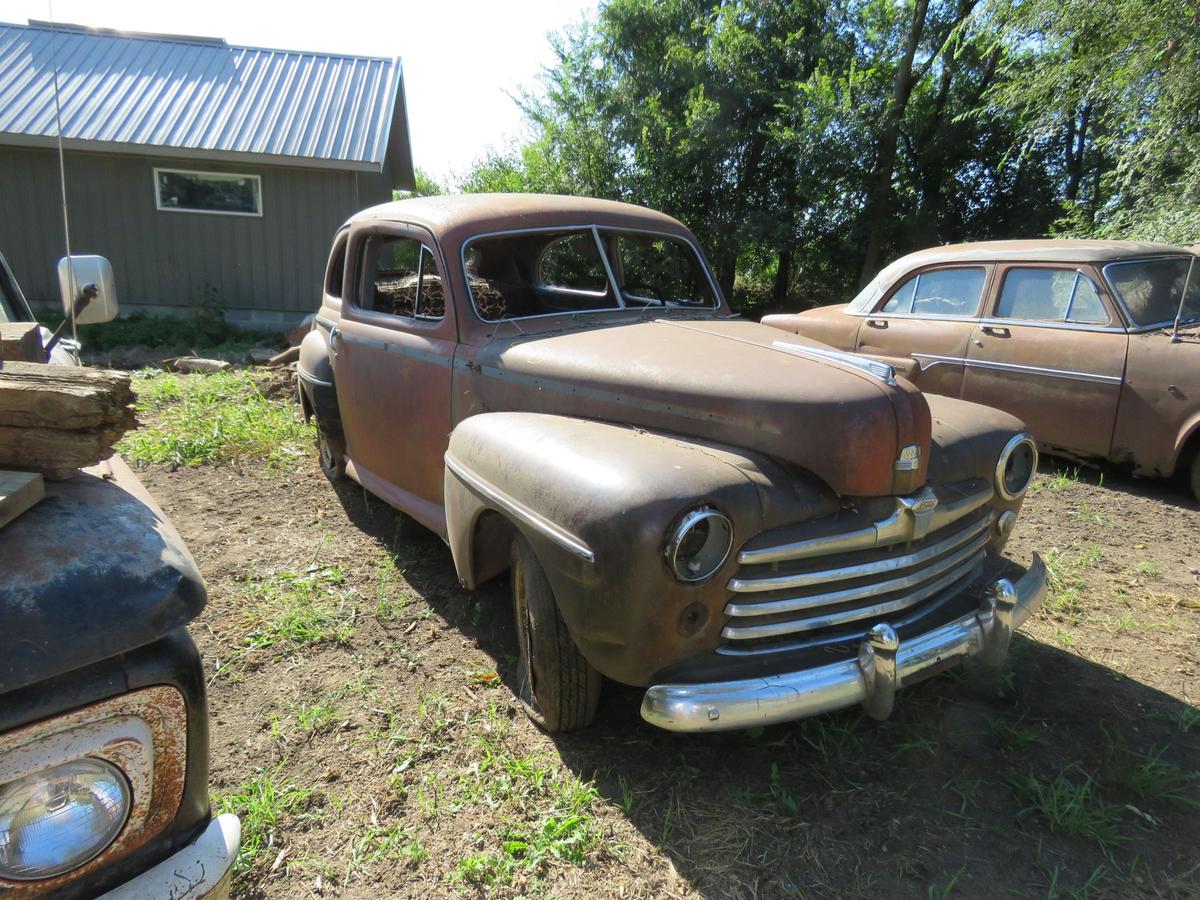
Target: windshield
{"points": [[519, 275], [1151, 289]]}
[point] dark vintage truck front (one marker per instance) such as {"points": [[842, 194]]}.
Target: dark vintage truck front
{"points": [[103, 722]]}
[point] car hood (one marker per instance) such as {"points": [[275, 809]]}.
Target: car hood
{"points": [[728, 381], [93, 570]]}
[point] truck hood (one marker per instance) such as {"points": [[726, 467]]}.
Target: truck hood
{"points": [[727, 381], [93, 570]]}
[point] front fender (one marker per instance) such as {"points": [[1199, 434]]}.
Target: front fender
{"points": [[597, 502]]}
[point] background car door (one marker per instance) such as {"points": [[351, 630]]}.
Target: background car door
{"points": [[1051, 353], [393, 350], [930, 317]]}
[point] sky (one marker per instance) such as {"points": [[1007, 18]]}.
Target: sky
{"points": [[462, 58]]}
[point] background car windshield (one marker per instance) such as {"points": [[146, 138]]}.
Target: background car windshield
{"points": [[660, 271], [540, 273], [944, 292], [1150, 290]]}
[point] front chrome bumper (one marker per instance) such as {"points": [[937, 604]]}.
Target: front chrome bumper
{"points": [[883, 665], [204, 868]]}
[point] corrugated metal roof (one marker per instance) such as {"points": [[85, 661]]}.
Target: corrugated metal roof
{"points": [[201, 97]]}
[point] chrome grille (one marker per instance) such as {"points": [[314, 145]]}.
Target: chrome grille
{"points": [[806, 595]]}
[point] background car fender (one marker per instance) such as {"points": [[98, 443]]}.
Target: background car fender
{"points": [[597, 502]]}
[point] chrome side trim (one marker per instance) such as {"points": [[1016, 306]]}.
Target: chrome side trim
{"points": [[1014, 367], [860, 570], [874, 589], [965, 563], [519, 510], [873, 367], [312, 379], [884, 664], [903, 525]]}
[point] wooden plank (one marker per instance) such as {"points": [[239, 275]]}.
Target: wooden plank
{"points": [[36, 395], [21, 341], [18, 492]]}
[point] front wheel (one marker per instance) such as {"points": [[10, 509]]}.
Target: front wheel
{"points": [[1194, 475], [559, 688], [332, 453]]}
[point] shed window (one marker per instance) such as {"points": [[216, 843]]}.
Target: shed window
{"points": [[208, 192]]}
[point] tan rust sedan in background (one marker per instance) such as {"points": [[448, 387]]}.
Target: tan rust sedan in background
{"points": [[1093, 344]]}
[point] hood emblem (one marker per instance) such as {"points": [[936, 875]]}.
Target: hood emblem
{"points": [[909, 459]]}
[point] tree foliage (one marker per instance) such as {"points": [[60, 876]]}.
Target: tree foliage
{"points": [[807, 143]]}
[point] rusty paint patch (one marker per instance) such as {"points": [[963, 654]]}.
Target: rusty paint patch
{"points": [[144, 733]]}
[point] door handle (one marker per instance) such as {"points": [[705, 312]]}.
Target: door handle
{"points": [[335, 338], [877, 323], [995, 330]]}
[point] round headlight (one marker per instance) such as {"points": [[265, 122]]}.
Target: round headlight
{"points": [[700, 544], [1014, 470], [59, 818]]}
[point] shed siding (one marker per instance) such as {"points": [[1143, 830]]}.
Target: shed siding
{"points": [[268, 268]]}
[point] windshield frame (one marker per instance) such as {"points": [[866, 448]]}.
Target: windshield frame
{"points": [[1134, 326], [596, 229]]}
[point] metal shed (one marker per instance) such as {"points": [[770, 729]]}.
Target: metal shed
{"points": [[211, 175]]}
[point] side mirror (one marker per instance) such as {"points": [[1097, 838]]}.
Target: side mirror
{"points": [[74, 272]]}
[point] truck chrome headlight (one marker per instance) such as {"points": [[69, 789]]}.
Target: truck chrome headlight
{"points": [[700, 544], [57, 819], [1016, 466]]}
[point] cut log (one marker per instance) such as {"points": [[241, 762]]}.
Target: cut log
{"points": [[59, 418], [18, 492], [22, 342]]}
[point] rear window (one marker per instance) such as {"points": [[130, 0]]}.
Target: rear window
{"points": [[940, 292], [554, 272], [1050, 295], [1151, 289]]}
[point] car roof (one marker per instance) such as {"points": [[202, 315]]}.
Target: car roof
{"points": [[460, 216]]}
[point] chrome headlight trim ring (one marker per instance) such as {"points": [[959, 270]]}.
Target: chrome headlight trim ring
{"points": [[1024, 439]]}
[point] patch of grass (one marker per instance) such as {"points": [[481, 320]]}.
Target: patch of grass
{"points": [[205, 329], [315, 718], [293, 610], [1147, 776], [377, 844], [941, 892], [1183, 717], [263, 804], [215, 419], [1072, 807], [1066, 582], [1017, 735], [1061, 479], [1089, 515]]}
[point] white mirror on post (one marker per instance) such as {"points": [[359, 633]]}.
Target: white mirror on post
{"points": [[76, 277]]}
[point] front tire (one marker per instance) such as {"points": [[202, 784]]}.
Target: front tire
{"points": [[332, 454], [558, 687], [1194, 475]]}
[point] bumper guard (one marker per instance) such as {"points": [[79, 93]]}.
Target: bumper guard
{"points": [[883, 665]]}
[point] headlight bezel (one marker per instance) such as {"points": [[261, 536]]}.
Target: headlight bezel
{"points": [[142, 733], [1016, 442], [684, 527]]}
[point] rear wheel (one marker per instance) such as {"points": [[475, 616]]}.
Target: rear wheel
{"points": [[559, 688]]}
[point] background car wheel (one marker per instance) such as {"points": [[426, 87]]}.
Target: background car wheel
{"points": [[1194, 475], [559, 688], [332, 453]]}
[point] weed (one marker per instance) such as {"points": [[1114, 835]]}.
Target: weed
{"points": [[215, 419], [1185, 718], [291, 609], [314, 717], [262, 804], [1060, 479], [940, 892], [378, 844], [1017, 735], [1087, 514], [1071, 808], [781, 795], [1147, 775], [206, 329], [1066, 583]]}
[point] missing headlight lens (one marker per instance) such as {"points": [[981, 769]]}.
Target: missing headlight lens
{"points": [[1014, 470], [700, 544], [57, 819]]}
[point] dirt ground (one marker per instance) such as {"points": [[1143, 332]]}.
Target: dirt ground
{"points": [[364, 728]]}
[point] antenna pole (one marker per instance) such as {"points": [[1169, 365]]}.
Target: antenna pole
{"points": [[62, 167]]}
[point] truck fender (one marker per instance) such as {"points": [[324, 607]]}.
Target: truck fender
{"points": [[318, 396]]}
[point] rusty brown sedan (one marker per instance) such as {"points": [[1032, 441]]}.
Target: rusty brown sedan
{"points": [[1093, 344], [752, 527]]}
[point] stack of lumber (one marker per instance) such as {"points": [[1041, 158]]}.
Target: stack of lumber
{"points": [[56, 419]]}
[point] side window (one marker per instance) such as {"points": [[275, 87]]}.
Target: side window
{"points": [[573, 263], [940, 292], [1050, 295], [335, 272], [401, 278]]}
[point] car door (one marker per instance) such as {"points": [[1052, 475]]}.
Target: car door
{"points": [[1051, 352], [929, 316], [393, 351]]}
